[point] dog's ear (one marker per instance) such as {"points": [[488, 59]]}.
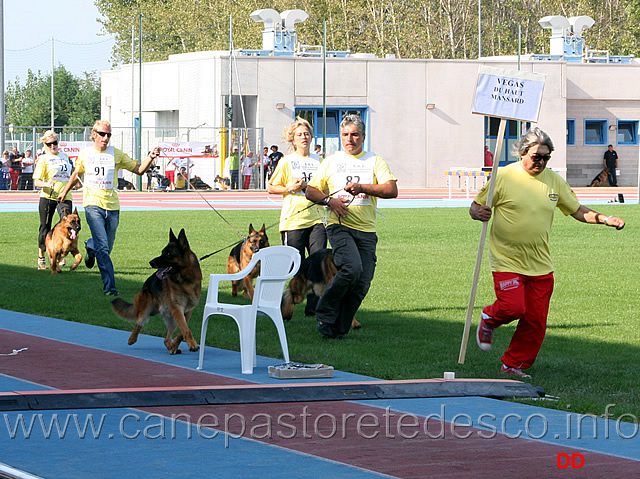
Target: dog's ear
{"points": [[182, 239], [262, 230], [172, 237], [75, 210], [251, 230]]}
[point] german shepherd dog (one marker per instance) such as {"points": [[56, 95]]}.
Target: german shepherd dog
{"points": [[62, 240], [173, 292], [601, 179], [240, 257], [315, 273]]}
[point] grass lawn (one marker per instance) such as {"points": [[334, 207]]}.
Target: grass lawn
{"points": [[414, 314]]}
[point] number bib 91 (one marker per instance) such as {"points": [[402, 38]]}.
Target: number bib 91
{"points": [[100, 172]]}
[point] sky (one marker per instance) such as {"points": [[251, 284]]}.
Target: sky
{"points": [[30, 25]]}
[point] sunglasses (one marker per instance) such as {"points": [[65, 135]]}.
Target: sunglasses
{"points": [[536, 157], [103, 134], [53, 143]]}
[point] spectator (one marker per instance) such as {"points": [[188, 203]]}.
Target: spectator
{"points": [[181, 179], [100, 164], [611, 163], [5, 178], [234, 164], [488, 157], [26, 178], [317, 150], [526, 195], [274, 158], [266, 165], [247, 169], [351, 224], [15, 167]]}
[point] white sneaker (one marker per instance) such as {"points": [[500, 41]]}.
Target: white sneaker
{"points": [[484, 334]]}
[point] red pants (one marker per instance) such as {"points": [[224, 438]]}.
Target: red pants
{"points": [[247, 182], [15, 175], [525, 298]]}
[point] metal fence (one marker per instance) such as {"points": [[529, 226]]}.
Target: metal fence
{"points": [[222, 141]]}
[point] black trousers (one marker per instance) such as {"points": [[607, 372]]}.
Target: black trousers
{"points": [[47, 208], [354, 253], [305, 240]]}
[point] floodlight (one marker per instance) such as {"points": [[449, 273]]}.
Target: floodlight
{"points": [[578, 24], [268, 16], [557, 23], [291, 17]]}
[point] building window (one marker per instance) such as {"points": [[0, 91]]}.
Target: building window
{"points": [[595, 132], [334, 116], [571, 132], [627, 132], [514, 129]]}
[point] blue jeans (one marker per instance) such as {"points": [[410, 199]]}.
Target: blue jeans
{"points": [[103, 225], [354, 254]]}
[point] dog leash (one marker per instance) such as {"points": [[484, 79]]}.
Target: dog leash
{"points": [[223, 218], [221, 249], [267, 228]]}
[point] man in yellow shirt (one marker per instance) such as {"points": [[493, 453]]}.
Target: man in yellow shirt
{"points": [[349, 183], [525, 197], [100, 164]]}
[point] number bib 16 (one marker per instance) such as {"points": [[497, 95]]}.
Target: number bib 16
{"points": [[304, 168]]}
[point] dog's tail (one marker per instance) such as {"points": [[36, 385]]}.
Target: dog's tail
{"points": [[287, 305], [124, 310]]}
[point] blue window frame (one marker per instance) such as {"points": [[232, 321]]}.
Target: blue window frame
{"points": [[511, 136], [313, 115], [627, 132], [595, 132], [571, 132]]}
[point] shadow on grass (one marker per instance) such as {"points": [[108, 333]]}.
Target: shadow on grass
{"points": [[393, 344]]}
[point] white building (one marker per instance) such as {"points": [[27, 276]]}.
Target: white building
{"points": [[417, 112]]}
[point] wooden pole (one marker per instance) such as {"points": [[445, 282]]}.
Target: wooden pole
{"points": [[483, 236]]}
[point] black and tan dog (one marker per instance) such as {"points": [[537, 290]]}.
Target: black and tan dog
{"points": [[315, 273], [62, 240], [173, 292], [601, 179], [240, 256]]}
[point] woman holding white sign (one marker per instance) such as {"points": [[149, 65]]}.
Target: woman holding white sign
{"points": [[525, 198], [100, 164], [51, 174], [301, 223]]}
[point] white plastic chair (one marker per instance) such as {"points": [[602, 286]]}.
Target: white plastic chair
{"points": [[277, 265]]}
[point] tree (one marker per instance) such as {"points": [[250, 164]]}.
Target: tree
{"points": [[77, 101], [406, 28]]}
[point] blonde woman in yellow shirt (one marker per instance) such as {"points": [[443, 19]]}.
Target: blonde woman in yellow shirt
{"points": [[51, 174], [301, 223]]}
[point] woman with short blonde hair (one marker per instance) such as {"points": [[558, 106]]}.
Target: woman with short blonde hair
{"points": [[301, 223], [51, 174]]}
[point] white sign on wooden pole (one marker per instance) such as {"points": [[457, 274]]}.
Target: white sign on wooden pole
{"points": [[508, 95]]}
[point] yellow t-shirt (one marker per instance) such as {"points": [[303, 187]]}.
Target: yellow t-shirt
{"points": [[57, 168], [296, 211], [340, 169], [101, 176], [523, 208]]}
